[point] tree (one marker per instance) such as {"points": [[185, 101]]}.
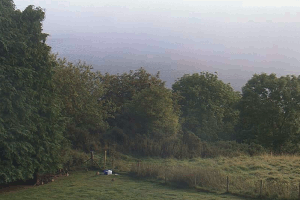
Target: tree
{"points": [[270, 111], [30, 121], [207, 106], [121, 88], [81, 92], [144, 105], [151, 112]]}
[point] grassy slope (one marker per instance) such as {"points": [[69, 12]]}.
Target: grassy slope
{"points": [[263, 167], [280, 174], [85, 185]]}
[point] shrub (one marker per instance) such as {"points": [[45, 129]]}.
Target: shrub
{"points": [[71, 158]]}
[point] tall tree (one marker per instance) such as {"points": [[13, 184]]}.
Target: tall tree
{"points": [[270, 111], [81, 90], [151, 112], [30, 126], [207, 106], [144, 104]]}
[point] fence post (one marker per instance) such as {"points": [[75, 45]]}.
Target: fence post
{"points": [[227, 185], [195, 180], [92, 158], [166, 176], [261, 185], [139, 167], [105, 159]]}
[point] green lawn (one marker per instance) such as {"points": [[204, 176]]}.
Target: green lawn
{"points": [[86, 185]]}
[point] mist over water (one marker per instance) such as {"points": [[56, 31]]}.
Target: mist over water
{"points": [[177, 38]]}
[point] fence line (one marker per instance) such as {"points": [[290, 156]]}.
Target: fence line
{"points": [[214, 180]]}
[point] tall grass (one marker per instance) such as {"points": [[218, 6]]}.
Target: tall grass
{"points": [[214, 178], [280, 174]]}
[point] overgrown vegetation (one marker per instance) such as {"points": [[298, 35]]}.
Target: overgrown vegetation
{"points": [[279, 175], [52, 111], [31, 124], [86, 185]]}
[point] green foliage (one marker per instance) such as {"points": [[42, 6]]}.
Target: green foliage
{"points": [[46, 104], [192, 146], [151, 112], [207, 106], [30, 119], [117, 135], [81, 92], [270, 111], [144, 105], [70, 158], [121, 88]]}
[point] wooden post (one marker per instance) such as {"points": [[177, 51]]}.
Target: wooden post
{"points": [[139, 167], [227, 184], [105, 159], [260, 190], [92, 158], [165, 176], [195, 180]]}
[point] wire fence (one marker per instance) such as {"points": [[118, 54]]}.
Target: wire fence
{"points": [[216, 181]]}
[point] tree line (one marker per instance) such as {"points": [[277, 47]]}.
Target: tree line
{"points": [[49, 107]]}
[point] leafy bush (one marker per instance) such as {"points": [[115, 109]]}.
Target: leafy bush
{"points": [[71, 158]]}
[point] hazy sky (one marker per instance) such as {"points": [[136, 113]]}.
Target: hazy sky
{"points": [[234, 38], [173, 4]]}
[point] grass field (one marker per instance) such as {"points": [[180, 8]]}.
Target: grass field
{"points": [[285, 167], [280, 176], [273, 177], [86, 185]]}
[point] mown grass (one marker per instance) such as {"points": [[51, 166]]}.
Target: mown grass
{"points": [[86, 185], [280, 174]]}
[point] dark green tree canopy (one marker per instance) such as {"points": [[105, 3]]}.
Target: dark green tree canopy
{"points": [[144, 104], [152, 112], [30, 126], [122, 88], [81, 92], [270, 111], [207, 106]]}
